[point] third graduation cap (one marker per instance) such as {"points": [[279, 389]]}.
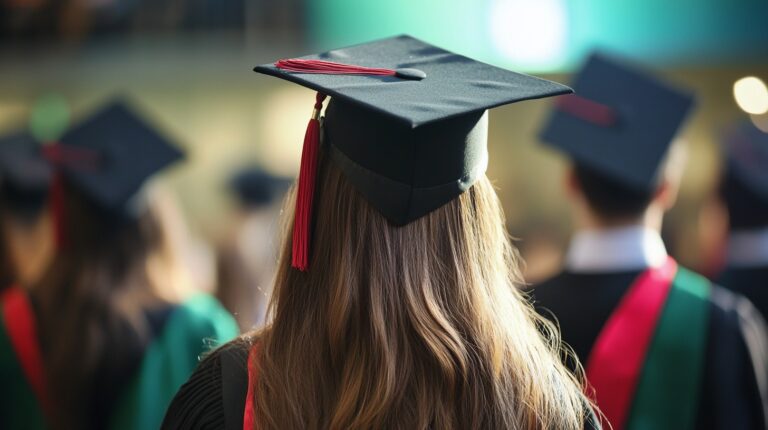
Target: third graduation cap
{"points": [[620, 122], [746, 149], [407, 123]]}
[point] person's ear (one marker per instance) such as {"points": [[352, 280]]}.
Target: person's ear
{"points": [[669, 188], [665, 195], [571, 183]]}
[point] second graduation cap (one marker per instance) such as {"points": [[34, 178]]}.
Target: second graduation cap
{"points": [[620, 122], [112, 153], [407, 123]]}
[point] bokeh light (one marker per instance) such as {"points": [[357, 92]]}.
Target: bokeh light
{"points": [[760, 121], [50, 117], [751, 95], [529, 33], [283, 127]]}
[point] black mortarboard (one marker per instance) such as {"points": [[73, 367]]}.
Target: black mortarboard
{"points": [[256, 187], [407, 124], [112, 153], [746, 149], [24, 176], [620, 122]]}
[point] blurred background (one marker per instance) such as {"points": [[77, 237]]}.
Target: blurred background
{"points": [[187, 64]]}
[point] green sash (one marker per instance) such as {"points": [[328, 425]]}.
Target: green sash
{"points": [[193, 329], [647, 363], [668, 393]]}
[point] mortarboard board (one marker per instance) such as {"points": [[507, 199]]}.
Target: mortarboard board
{"points": [[620, 122], [407, 123], [20, 162], [115, 152], [24, 176], [746, 150], [255, 187]]}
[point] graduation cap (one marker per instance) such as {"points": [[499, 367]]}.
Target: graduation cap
{"points": [[746, 150], [109, 156], [620, 122], [256, 187], [112, 153], [407, 123], [24, 176]]}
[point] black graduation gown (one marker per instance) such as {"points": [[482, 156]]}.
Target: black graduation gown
{"points": [[752, 282], [116, 370], [730, 397], [214, 397]]}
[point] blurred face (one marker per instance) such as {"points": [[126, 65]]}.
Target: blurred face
{"points": [[29, 245]]}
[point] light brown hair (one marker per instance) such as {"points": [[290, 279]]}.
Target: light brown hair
{"points": [[412, 327], [91, 302]]}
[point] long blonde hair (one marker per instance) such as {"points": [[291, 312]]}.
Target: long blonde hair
{"points": [[412, 327]]}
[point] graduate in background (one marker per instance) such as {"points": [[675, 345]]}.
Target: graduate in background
{"points": [[247, 258], [744, 191], [395, 304], [108, 335], [25, 235], [663, 348]]}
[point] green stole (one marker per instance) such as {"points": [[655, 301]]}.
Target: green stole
{"points": [[653, 381], [191, 330]]}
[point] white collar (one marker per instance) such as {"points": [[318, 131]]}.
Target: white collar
{"points": [[748, 248], [615, 249]]}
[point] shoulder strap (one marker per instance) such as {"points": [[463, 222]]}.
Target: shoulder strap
{"points": [[616, 360], [668, 393], [19, 319]]}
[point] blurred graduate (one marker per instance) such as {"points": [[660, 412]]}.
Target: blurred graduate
{"points": [[744, 192], [25, 235], [108, 334], [247, 257], [663, 348]]}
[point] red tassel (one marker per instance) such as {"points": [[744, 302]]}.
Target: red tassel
{"points": [[57, 210], [330, 68], [307, 174], [587, 110], [60, 155]]}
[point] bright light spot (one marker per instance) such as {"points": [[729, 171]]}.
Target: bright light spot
{"points": [[760, 121], [751, 95], [531, 32], [285, 119]]}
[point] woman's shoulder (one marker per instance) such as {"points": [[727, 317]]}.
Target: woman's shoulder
{"points": [[214, 396]]}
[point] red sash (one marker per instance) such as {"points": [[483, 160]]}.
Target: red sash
{"points": [[616, 361], [249, 415], [22, 333]]}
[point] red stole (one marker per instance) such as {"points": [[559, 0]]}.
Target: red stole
{"points": [[615, 364], [249, 415], [19, 320]]}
